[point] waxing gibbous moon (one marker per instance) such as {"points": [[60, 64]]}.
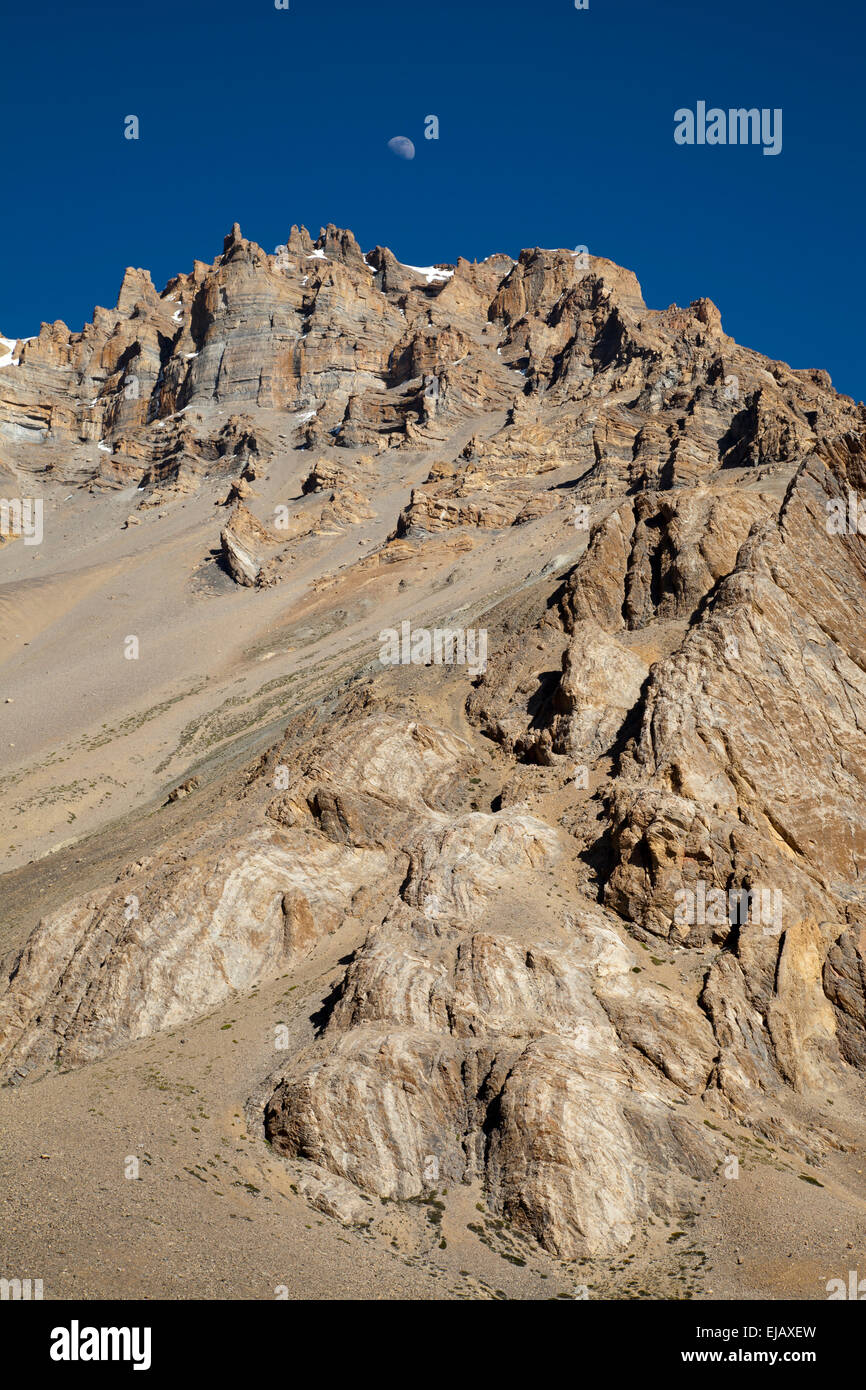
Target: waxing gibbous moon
{"points": [[402, 147]]}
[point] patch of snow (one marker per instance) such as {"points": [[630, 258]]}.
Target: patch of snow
{"points": [[190, 355], [161, 424], [317, 256], [6, 359], [430, 272], [177, 316], [305, 416], [106, 448]]}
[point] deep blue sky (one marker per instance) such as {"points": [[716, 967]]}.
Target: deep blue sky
{"points": [[556, 129]]}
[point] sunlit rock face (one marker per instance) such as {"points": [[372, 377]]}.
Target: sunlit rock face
{"points": [[598, 894]]}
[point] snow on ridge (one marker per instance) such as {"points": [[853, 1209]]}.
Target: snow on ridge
{"points": [[430, 272], [161, 424], [6, 358]]}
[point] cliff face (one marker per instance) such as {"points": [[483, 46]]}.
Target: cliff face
{"points": [[610, 887], [366, 352]]}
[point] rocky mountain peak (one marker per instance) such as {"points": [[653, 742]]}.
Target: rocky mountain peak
{"points": [[508, 665]]}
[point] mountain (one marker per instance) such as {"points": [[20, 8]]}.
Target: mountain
{"points": [[484, 654]]}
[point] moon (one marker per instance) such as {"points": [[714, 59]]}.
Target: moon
{"points": [[402, 147]]}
